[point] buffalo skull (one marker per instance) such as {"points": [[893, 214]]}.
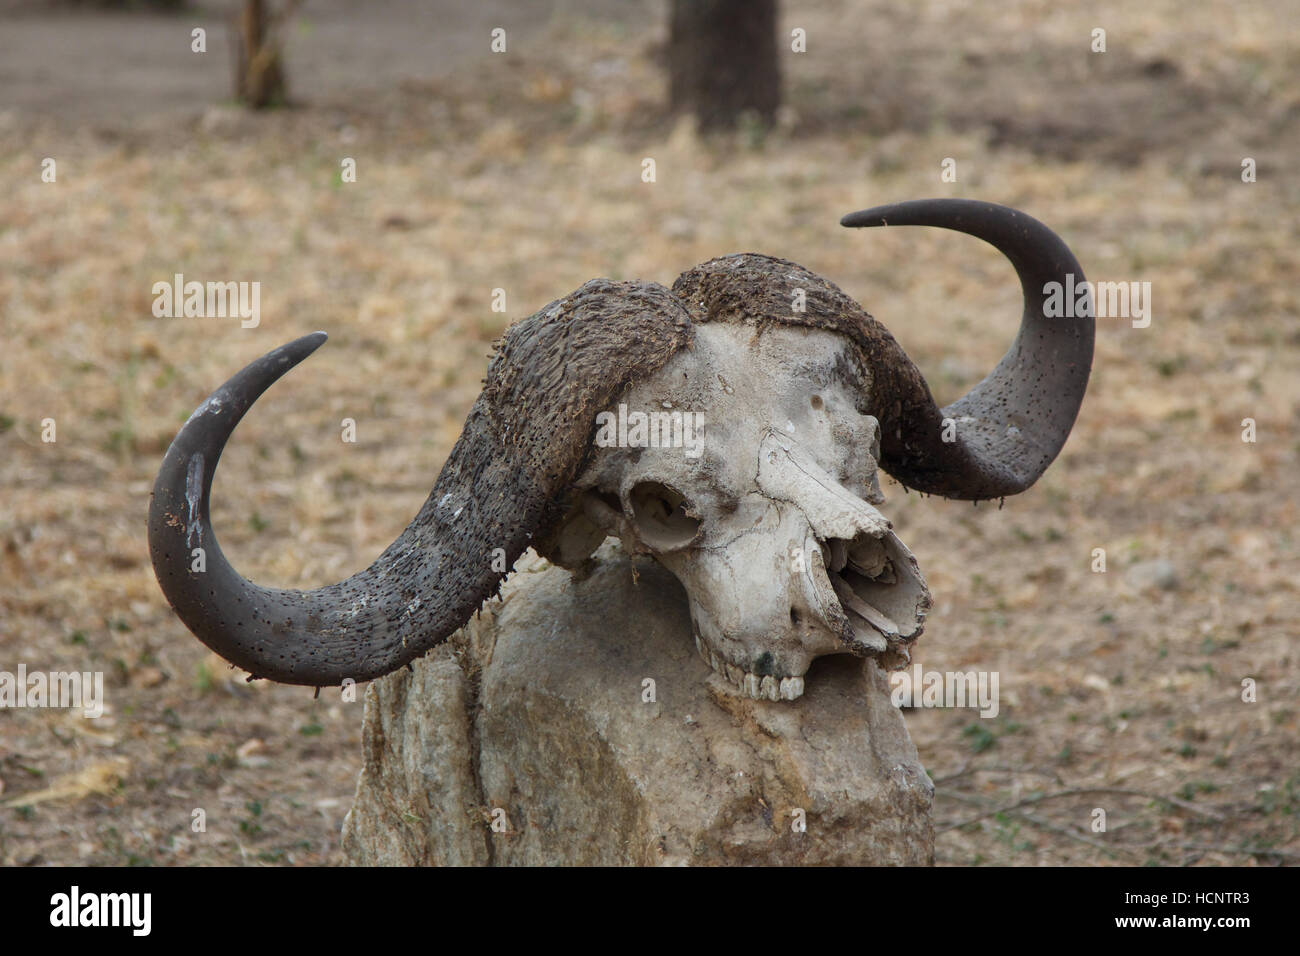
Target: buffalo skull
{"points": [[731, 427]]}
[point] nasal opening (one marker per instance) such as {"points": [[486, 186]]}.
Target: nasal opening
{"points": [[879, 586]]}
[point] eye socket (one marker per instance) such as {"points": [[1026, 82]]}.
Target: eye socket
{"points": [[660, 516]]}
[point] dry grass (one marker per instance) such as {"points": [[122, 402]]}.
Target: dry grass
{"points": [[523, 173]]}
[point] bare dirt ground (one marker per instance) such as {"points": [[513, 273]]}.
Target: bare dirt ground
{"points": [[1119, 690]]}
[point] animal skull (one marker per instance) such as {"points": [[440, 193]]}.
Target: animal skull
{"points": [[766, 515], [771, 527]]}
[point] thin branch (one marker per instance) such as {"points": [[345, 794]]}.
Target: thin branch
{"points": [[1108, 849], [1079, 791], [1210, 848], [966, 770]]}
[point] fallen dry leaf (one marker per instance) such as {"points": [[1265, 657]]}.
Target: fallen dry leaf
{"points": [[97, 779]]}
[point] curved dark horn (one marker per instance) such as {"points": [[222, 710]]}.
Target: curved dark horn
{"points": [[1010, 426], [523, 443]]}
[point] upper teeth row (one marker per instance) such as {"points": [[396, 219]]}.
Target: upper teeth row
{"points": [[766, 687]]}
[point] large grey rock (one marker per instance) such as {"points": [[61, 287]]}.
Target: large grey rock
{"points": [[539, 716]]}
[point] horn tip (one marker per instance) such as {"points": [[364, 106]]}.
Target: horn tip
{"points": [[875, 216], [300, 348]]}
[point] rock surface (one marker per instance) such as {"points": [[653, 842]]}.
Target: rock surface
{"points": [[536, 737]]}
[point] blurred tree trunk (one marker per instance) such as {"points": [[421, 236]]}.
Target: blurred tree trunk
{"points": [[259, 63], [722, 60]]}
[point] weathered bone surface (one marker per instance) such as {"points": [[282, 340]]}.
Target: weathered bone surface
{"points": [[535, 718]]}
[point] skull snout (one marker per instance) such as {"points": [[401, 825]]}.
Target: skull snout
{"points": [[783, 596], [878, 589], [801, 567], [757, 618], [825, 574]]}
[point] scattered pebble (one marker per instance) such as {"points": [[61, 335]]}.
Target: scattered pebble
{"points": [[1158, 573], [250, 747], [149, 677]]}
